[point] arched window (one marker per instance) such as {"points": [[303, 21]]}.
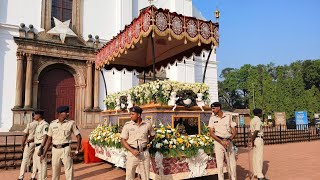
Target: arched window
{"points": [[62, 10]]}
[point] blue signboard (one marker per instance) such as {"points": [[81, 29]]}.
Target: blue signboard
{"points": [[241, 122], [301, 118]]}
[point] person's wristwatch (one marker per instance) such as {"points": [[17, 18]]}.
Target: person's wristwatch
{"points": [[76, 152]]}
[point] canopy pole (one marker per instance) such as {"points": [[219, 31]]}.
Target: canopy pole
{"points": [[205, 68], [104, 82], [153, 59]]}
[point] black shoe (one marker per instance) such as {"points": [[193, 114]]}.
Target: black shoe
{"points": [[262, 178], [30, 169]]}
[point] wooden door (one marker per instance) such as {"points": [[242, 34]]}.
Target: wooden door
{"points": [[56, 88]]}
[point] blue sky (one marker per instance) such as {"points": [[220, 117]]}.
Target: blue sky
{"points": [[263, 31]]}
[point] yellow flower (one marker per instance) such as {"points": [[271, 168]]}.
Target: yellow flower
{"points": [[177, 134], [188, 144], [159, 136], [167, 136], [168, 127], [170, 146], [180, 140], [208, 134], [155, 129], [196, 143], [148, 146]]}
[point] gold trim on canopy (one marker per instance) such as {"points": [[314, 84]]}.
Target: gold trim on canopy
{"points": [[175, 36]]}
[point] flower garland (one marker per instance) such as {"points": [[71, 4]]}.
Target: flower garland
{"points": [[157, 92]]}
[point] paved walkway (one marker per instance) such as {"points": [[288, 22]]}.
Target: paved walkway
{"points": [[294, 161]]}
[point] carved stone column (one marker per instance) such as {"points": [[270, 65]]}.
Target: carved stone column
{"points": [[19, 82], [88, 102], [96, 90], [28, 90], [35, 94]]}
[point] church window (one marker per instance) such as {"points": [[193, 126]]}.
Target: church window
{"points": [[62, 10]]}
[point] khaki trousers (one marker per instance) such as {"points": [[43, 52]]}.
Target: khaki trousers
{"points": [[26, 158], [257, 157], [142, 162], [40, 166], [220, 152], [60, 156]]}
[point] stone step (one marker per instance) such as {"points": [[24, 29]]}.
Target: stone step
{"points": [[11, 155]]}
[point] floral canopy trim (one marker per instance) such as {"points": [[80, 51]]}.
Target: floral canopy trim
{"points": [[159, 22]]}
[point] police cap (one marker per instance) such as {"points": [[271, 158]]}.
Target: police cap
{"points": [[216, 104], [136, 109], [257, 111], [62, 109], [40, 112]]}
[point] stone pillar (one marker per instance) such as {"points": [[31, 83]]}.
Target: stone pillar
{"points": [[28, 89], [35, 94], [19, 82], [88, 102], [96, 90]]}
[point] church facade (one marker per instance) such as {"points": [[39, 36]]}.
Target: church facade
{"points": [[43, 65]]}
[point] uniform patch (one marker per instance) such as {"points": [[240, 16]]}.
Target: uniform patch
{"points": [[55, 127]]}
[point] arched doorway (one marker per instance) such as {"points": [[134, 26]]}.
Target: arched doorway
{"points": [[56, 88]]}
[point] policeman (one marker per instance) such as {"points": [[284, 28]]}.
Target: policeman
{"points": [[134, 137], [257, 143], [223, 130], [59, 134], [40, 139], [28, 147]]}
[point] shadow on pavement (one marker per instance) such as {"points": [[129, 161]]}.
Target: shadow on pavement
{"points": [[89, 166], [265, 167], [91, 174]]}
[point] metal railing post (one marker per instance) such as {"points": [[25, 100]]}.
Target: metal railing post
{"points": [[280, 135]]}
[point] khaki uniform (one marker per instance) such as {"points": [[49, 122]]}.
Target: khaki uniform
{"points": [[257, 159], [137, 137], [41, 132], [61, 136], [223, 128], [28, 149]]}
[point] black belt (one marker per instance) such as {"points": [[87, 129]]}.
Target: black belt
{"points": [[38, 144], [143, 149], [223, 138], [59, 146]]}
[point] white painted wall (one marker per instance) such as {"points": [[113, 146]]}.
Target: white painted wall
{"points": [[28, 12], [99, 18], [8, 70], [212, 77]]}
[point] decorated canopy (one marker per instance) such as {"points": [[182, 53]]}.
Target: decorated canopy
{"points": [[155, 39]]}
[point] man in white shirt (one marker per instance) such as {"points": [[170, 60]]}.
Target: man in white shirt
{"points": [[257, 144]]}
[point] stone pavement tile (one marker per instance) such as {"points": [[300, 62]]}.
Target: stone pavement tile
{"points": [[286, 161]]}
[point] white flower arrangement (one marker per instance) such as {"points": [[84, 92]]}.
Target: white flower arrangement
{"points": [[106, 136], [157, 92]]}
